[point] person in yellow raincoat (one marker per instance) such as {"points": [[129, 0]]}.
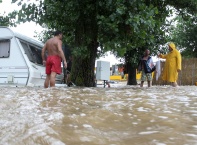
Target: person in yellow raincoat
{"points": [[172, 65]]}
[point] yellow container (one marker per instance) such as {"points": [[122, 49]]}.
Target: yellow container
{"points": [[115, 77], [138, 76], [119, 77]]}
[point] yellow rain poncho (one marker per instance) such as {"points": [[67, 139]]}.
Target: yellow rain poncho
{"points": [[172, 64]]}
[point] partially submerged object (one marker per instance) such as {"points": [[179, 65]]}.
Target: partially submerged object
{"points": [[21, 61], [158, 69]]}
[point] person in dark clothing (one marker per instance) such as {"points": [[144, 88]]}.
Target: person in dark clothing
{"points": [[146, 66]]}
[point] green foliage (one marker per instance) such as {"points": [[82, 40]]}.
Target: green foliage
{"points": [[4, 21], [119, 24], [8, 20], [184, 7], [184, 34]]}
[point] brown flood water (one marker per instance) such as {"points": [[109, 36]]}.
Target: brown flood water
{"points": [[161, 115]]}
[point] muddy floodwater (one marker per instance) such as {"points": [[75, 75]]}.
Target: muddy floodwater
{"points": [[122, 115]]}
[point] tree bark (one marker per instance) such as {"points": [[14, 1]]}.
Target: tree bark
{"points": [[130, 68], [131, 75], [83, 68], [86, 36]]}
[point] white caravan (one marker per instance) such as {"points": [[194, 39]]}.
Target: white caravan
{"points": [[21, 61]]}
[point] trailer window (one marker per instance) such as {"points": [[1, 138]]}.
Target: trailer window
{"points": [[36, 54], [33, 52], [4, 48], [28, 51]]}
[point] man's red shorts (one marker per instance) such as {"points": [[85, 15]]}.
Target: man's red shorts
{"points": [[53, 64]]}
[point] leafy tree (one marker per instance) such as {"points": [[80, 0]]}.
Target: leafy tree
{"points": [[126, 27], [184, 34], [4, 21], [7, 21]]}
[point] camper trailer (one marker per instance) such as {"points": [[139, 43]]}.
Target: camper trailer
{"points": [[20, 60]]}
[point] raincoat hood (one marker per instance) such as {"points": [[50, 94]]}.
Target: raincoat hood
{"points": [[172, 45]]}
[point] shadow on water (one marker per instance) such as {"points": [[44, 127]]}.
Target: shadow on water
{"points": [[92, 116]]}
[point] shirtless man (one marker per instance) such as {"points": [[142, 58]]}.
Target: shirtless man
{"points": [[53, 47]]}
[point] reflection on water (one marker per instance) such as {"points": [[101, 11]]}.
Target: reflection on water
{"points": [[98, 116]]}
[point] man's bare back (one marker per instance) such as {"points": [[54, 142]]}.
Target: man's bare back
{"points": [[52, 46]]}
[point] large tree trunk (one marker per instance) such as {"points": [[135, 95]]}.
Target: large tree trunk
{"points": [[130, 68], [131, 75], [83, 68], [86, 36]]}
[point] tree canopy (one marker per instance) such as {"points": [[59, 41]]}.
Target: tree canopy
{"points": [[184, 34]]}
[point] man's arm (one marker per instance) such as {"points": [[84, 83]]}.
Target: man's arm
{"points": [[61, 53], [162, 56], [43, 52]]}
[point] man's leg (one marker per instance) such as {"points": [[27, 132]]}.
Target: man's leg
{"points": [[143, 78], [149, 79], [142, 83], [68, 79], [107, 83], [52, 79], [46, 83], [149, 83]]}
